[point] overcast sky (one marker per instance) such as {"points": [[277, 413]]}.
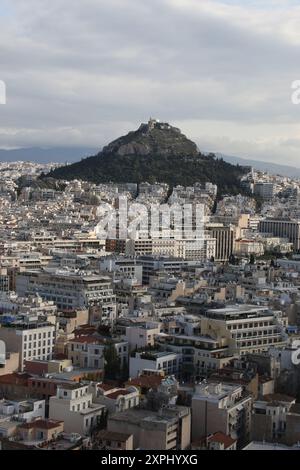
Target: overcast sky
{"points": [[82, 72]]}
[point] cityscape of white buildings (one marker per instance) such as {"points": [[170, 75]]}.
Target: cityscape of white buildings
{"points": [[157, 339]]}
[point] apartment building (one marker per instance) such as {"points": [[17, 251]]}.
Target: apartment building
{"points": [[88, 351], [224, 237], [4, 280], [188, 249], [264, 190], [269, 419], [122, 268], [128, 291], [168, 429], [142, 335], [154, 264], [248, 247], [201, 355], [245, 328], [70, 290], [168, 362], [73, 405], [284, 228], [31, 339], [221, 407]]}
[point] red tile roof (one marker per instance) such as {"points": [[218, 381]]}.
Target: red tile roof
{"points": [[222, 439], [106, 387], [115, 395], [146, 381]]}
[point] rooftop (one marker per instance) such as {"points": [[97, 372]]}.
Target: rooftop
{"points": [[42, 424], [113, 436]]}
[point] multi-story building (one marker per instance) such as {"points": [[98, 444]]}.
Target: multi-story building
{"points": [[199, 249], [142, 335], [284, 228], [248, 247], [70, 290], [201, 355], [4, 280], [122, 268], [269, 419], [264, 190], [155, 264], [168, 362], [245, 328], [167, 429], [40, 431], [73, 405], [220, 407], [224, 240], [88, 351], [115, 399], [31, 339]]}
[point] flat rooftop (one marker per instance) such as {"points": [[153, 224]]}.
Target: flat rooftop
{"points": [[132, 416], [239, 311], [268, 446]]}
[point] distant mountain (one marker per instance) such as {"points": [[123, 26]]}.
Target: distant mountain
{"points": [[273, 168], [46, 155], [155, 152]]}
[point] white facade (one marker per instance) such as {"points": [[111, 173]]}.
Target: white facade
{"points": [[169, 363], [70, 290], [32, 342], [74, 406], [141, 336]]}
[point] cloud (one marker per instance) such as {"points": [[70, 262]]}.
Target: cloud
{"points": [[83, 72]]}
